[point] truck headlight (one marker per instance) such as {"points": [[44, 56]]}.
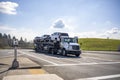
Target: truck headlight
{"points": [[70, 47]]}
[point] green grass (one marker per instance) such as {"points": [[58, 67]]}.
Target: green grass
{"points": [[99, 44]]}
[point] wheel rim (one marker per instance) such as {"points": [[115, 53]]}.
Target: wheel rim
{"points": [[63, 52], [58, 52], [52, 52]]}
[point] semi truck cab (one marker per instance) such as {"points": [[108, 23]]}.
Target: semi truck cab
{"points": [[70, 46]]}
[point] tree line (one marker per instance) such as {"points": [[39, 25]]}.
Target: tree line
{"points": [[6, 41]]}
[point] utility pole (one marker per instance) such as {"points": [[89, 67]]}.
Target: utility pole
{"points": [[15, 63]]}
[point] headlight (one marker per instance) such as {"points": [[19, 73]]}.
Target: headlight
{"points": [[70, 47]]}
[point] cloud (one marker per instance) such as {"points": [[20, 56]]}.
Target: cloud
{"points": [[63, 24], [6, 28], [73, 29], [8, 7], [113, 31], [29, 34], [91, 34], [58, 24]]}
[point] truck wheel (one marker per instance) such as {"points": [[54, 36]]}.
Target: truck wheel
{"points": [[64, 52], [36, 50], [59, 52], [77, 55], [55, 51], [49, 51], [52, 51]]}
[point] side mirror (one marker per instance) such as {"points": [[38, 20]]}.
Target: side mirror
{"points": [[76, 39]]}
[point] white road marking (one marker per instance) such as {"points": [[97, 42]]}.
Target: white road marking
{"points": [[39, 58], [101, 77], [74, 64], [10, 52], [10, 56], [99, 58], [84, 64]]}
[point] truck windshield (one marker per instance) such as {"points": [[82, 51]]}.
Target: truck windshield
{"points": [[70, 40], [63, 34]]}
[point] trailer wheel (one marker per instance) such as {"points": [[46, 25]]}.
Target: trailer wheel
{"points": [[64, 52], [36, 50], [49, 51], [52, 51]]}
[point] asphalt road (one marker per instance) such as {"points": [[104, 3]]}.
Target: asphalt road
{"points": [[90, 65], [6, 53]]}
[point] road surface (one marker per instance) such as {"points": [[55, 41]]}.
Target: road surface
{"points": [[90, 65]]}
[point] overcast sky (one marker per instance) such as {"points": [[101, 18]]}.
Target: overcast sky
{"points": [[82, 18]]}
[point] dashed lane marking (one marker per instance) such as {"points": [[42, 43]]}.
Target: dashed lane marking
{"points": [[101, 77]]}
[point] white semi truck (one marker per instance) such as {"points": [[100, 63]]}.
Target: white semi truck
{"points": [[63, 45]]}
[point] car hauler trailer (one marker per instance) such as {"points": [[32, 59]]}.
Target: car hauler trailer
{"points": [[64, 46]]}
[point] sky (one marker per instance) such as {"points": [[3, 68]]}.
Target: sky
{"points": [[82, 18]]}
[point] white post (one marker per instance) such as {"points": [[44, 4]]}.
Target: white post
{"points": [[15, 52], [15, 63]]}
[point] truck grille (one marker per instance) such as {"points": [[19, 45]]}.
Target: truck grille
{"points": [[75, 47]]}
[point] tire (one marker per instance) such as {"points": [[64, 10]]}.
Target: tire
{"points": [[64, 52], [60, 51], [36, 50], [49, 51], [55, 51], [77, 55], [52, 51]]}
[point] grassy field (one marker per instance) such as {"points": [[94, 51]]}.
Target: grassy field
{"points": [[97, 44]]}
